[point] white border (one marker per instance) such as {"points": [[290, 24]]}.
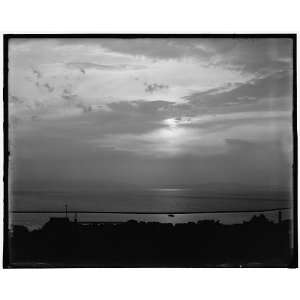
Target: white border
{"points": [[154, 16]]}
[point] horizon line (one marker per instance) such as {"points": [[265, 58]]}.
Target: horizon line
{"points": [[145, 212]]}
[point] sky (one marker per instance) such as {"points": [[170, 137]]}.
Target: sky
{"points": [[87, 113]]}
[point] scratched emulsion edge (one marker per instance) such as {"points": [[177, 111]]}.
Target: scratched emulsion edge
{"points": [[294, 261], [6, 262]]}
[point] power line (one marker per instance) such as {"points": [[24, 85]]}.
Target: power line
{"points": [[146, 212]]}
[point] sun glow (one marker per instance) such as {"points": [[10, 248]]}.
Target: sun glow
{"points": [[169, 139], [172, 123]]}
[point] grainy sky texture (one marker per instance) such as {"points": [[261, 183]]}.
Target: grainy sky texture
{"points": [[154, 112]]}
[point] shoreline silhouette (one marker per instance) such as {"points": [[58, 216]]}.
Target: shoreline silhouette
{"points": [[62, 242]]}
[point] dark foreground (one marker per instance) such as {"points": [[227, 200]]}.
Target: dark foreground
{"points": [[62, 243]]}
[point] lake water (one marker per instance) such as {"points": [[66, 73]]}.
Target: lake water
{"points": [[159, 199]]}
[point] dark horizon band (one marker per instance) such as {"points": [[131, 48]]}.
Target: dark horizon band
{"points": [[146, 212]]}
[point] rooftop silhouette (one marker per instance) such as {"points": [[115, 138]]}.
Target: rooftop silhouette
{"points": [[206, 243]]}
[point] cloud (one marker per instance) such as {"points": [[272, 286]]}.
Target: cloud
{"points": [[16, 100], [154, 87], [83, 66], [75, 100], [49, 88], [252, 55], [85, 108], [206, 138], [13, 123], [233, 123], [239, 116], [161, 48], [248, 55], [35, 118], [141, 107], [37, 73], [275, 86]]}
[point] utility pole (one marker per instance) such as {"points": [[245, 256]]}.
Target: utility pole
{"points": [[279, 217], [66, 208]]}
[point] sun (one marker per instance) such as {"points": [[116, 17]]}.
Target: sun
{"points": [[172, 123], [169, 139]]}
